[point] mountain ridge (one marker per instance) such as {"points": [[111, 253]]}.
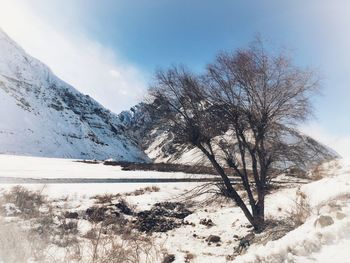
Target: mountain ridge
{"points": [[44, 116], [160, 146]]}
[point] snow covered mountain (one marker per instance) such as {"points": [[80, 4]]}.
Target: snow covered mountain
{"points": [[160, 146], [42, 115]]}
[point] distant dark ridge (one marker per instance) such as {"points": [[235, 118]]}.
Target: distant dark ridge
{"points": [[163, 167], [189, 169], [17, 180], [160, 167]]}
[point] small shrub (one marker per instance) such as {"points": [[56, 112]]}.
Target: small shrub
{"points": [[302, 209], [152, 188], [189, 257], [103, 199], [318, 172], [41, 232], [124, 207], [96, 214], [142, 191], [169, 258], [28, 202], [129, 247]]}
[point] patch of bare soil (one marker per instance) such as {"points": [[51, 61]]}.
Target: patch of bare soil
{"points": [[162, 217]]}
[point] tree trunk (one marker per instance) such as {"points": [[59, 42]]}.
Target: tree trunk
{"points": [[231, 191], [259, 217], [260, 205]]}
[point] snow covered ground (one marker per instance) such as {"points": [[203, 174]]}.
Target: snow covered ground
{"points": [[51, 168], [310, 242]]}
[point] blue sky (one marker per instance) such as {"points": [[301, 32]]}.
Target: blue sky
{"points": [[130, 39]]}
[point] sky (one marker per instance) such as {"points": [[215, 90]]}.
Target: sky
{"points": [[110, 49]]}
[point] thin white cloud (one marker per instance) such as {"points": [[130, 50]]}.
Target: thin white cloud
{"points": [[339, 143], [84, 63]]}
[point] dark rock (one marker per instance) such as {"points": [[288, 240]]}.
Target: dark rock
{"points": [[69, 227], [206, 222], [124, 208], [169, 258], [213, 239], [171, 209], [71, 215], [116, 214], [245, 242], [162, 217], [157, 224], [96, 214]]}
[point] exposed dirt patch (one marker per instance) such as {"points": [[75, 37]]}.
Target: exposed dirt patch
{"points": [[162, 217]]}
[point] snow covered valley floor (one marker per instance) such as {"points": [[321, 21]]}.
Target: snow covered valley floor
{"points": [[157, 222]]}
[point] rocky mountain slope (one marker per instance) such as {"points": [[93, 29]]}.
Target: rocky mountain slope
{"points": [[42, 115], [158, 144]]}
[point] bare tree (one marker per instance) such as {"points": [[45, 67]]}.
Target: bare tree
{"points": [[240, 114], [263, 96]]}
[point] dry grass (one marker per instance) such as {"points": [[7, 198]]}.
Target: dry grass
{"points": [[301, 210], [109, 198], [142, 191], [274, 230], [322, 170], [318, 172], [128, 246], [103, 246], [27, 203], [43, 234], [105, 199]]}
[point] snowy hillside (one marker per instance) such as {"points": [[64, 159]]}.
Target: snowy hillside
{"points": [[321, 236], [43, 116], [325, 234], [158, 144]]}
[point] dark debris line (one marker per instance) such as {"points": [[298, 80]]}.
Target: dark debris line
{"points": [[18, 180], [11, 180]]}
